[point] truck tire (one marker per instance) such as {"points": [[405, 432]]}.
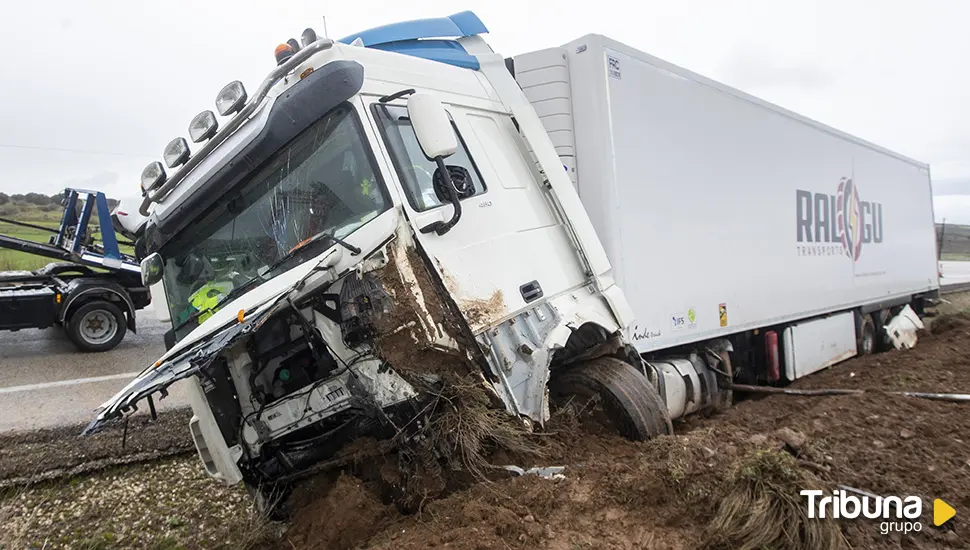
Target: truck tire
{"points": [[866, 335], [617, 390], [96, 326]]}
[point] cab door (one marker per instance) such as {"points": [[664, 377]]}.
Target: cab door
{"points": [[508, 250]]}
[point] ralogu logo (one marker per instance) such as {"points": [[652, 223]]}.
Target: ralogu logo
{"points": [[837, 224]]}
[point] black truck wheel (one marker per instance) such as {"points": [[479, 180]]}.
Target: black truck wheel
{"points": [[96, 326], [609, 389]]}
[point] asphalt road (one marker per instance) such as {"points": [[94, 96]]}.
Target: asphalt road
{"points": [[45, 382]]}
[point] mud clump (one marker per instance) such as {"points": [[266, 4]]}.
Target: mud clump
{"points": [[943, 325], [419, 335], [335, 516], [481, 312]]}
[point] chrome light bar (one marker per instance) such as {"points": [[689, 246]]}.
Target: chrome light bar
{"points": [[274, 76]]}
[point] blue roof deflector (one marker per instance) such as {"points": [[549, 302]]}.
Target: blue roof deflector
{"points": [[426, 38]]}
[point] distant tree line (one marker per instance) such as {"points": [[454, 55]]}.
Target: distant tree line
{"points": [[39, 199]]}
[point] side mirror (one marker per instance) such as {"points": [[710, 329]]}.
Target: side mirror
{"points": [[152, 268], [431, 126]]}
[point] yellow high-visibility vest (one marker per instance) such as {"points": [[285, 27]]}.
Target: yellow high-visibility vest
{"points": [[207, 297]]}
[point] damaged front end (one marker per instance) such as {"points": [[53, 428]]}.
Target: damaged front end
{"points": [[284, 386]]}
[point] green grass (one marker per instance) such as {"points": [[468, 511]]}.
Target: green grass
{"points": [[16, 260], [13, 259], [954, 257]]}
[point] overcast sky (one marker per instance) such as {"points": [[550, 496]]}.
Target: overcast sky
{"points": [[94, 89]]}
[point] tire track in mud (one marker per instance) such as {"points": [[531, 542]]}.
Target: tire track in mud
{"points": [[27, 458]]}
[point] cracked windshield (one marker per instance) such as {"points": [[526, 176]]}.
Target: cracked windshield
{"points": [[322, 182]]}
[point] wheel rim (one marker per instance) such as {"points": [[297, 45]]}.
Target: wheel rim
{"points": [[98, 327], [868, 340]]}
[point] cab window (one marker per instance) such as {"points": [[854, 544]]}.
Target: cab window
{"points": [[415, 170]]}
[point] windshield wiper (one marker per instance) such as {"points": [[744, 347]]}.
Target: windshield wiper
{"points": [[304, 244], [243, 288]]}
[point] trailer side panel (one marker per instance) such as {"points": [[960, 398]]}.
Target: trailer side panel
{"points": [[722, 213]]}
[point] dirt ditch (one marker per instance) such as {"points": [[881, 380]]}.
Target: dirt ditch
{"points": [[29, 457], [728, 481]]}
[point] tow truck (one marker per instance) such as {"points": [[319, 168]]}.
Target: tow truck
{"points": [[92, 290]]}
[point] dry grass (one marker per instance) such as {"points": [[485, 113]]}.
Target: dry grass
{"points": [[763, 509], [468, 427]]}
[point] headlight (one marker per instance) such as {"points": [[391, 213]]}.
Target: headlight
{"points": [[309, 37], [203, 126], [152, 176], [176, 152], [231, 98]]}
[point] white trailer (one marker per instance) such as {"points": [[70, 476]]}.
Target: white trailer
{"points": [[722, 213]]}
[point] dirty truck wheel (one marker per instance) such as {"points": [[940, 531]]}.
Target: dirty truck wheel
{"points": [[866, 344], [96, 326], [612, 390]]}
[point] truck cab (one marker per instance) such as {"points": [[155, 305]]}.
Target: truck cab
{"points": [[384, 210]]}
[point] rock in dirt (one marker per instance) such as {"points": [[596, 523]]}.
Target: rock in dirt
{"points": [[758, 440], [906, 434], [794, 439]]}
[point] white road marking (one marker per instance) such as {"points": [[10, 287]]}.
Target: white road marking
{"points": [[74, 382]]}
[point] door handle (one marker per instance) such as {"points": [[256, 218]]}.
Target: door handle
{"points": [[531, 291]]}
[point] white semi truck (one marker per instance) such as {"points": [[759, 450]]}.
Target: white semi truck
{"points": [[586, 219]]}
